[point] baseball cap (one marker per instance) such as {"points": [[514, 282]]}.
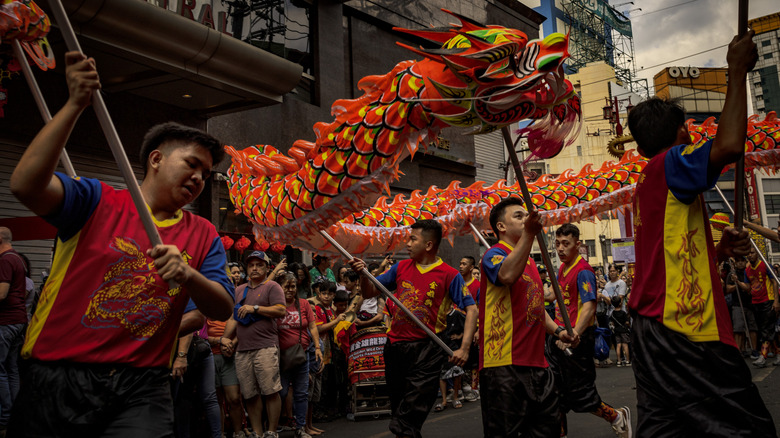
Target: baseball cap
{"points": [[258, 255]]}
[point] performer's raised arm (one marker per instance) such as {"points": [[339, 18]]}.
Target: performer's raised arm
{"points": [[33, 181]]}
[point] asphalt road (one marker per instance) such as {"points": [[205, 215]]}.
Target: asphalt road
{"points": [[615, 385]]}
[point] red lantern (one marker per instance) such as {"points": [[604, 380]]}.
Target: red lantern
{"points": [[277, 247], [261, 245], [242, 244], [227, 242]]}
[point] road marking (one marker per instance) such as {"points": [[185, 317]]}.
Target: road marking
{"points": [[763, 374]]}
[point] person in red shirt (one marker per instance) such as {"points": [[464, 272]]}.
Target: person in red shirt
{"points": [[298, 326], [466, 269], [766, 302], [108, 317], [428, 288], [691, 378], [575, 374], [519, 396]]}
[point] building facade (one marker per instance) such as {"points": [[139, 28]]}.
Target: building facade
{"points": [[764, 80], [249, 72]]}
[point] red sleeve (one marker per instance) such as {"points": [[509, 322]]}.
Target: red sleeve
{"points": [[319, 316]]}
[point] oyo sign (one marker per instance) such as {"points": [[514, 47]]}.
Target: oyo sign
{"points": [[686, 72]]}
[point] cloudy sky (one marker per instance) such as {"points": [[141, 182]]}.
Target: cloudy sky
{"points": [[667, 30]]}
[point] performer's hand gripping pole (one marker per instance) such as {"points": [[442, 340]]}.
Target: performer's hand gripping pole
{"points": [[540, 239], [387, 294], [479, 235], [110, 132], [38, 96], [739, 171]]}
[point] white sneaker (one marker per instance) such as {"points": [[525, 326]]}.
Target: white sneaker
{"points": [[300, 433], [270, 434], [777, 361], [760, 362], [622, 424]]}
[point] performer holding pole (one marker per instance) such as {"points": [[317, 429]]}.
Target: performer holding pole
{"points": [[687, 367], [107, 319], [540, 239], [413, 363], [377, 284], [519, 395]]}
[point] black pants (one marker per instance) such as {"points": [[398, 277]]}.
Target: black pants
{"points": [[519, 401], [765, 319], [60, 399], [412, 374], [693, 389], [575, 375]]}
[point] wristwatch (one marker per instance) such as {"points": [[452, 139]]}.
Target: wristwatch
{"points": [[181, 354], [558, 331], [256, 308]]}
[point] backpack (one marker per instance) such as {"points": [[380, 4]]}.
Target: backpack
{"points": [[601, 345]]}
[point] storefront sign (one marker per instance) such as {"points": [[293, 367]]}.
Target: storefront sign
{"points": [[685, 72], [623, 250]]}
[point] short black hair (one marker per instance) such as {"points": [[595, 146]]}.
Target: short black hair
{"points": [[318, 259], [176, 132], [654, 124], [342, 296], [327, 285], [352, 275], [431, 230], [568, 230], [497, 213], [471, 259]]}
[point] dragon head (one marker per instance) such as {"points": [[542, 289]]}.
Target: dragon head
{"points": [[495, 77]]}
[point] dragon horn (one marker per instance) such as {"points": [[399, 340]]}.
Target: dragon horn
{"points": [[466, 24], [436, 35], [422, 52]]}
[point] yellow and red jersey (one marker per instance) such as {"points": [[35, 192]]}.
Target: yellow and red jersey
{"points": [[104, 301], [428, 292], [761, 289], [512, 318], [676, 281], [578, 286]]}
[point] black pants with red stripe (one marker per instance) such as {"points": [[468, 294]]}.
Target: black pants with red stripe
{"points": [[693, 389]]}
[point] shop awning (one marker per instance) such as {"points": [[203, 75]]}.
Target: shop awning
{"points": [[158, 54]]}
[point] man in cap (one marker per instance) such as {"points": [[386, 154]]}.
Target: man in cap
{"points": [[258, 302]]}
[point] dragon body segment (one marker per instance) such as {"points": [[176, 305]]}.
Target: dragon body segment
{"points": [[482, 78], [568, 197]]}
